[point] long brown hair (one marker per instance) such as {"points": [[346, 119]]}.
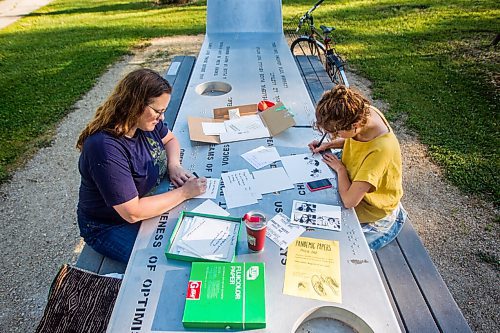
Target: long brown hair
{"points": [[339, 109], [120, 112]]}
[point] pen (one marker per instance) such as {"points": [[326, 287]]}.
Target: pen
{"points": [[321, 141], [195, 174]]}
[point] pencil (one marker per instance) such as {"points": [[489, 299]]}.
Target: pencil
{"points": [[321, 141]]}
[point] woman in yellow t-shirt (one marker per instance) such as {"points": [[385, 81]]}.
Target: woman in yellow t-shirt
{"points": [[370, 171]]}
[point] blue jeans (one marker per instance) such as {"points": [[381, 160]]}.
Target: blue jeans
{"points": [[111, 240], [380, 233]]}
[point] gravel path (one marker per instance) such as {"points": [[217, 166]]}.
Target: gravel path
{"points": [[13, 10], [39, 231]]}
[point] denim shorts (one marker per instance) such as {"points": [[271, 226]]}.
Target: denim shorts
{"points": [[115, 241], [380, 233]]}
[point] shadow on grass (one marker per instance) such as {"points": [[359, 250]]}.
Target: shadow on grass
{"points": [[130, 6], [122, 7], [39, 88]]}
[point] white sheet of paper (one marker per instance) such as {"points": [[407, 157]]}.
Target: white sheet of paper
{"points": [[241, 136], [213, 128], [176, 247], [281, 231], [310, 214], [234, 200], [180, 250], [261, 156], [272, 180], [186, 226], [215, 244], [304, 168], [239, 188], [244, 124], [206, 237], [244, 128], [209, 236], [212, 189], [210, 207]]}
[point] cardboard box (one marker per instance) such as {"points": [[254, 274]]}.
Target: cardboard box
{"points": [[178, 233], [226, 295], [276, 119]]}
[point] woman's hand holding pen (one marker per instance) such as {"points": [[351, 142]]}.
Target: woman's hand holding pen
{"points": [[320, 146], [194, 186], [316, 147]]}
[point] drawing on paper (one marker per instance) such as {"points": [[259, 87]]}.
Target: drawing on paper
{"points": [[315, 215], [305, 168], [305, 207]]}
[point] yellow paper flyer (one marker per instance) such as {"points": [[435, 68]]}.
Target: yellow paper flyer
{"points": [[313, 269]]}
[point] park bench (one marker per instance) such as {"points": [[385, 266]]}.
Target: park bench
{"points": [[418, 295]]}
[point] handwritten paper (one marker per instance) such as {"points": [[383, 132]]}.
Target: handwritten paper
{"points": [[244, 128], [239, 189], [244, 124], [272, 180], [281, 231], [209, 238], [309, 214], [261, 156], [306, 168], [212, 189]]}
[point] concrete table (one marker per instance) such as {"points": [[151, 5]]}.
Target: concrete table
{"points": [[247, 53]]}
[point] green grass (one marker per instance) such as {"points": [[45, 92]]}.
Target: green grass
{"points": [[52, 57], [430, 60]]}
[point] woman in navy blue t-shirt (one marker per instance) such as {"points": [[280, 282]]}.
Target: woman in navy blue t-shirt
{"points": [[125, 151]]}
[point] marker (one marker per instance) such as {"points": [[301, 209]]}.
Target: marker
{"points": [[195, 174], [320, 141]]}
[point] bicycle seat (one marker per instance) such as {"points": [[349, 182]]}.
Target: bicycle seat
{"points": [[326, 30]]}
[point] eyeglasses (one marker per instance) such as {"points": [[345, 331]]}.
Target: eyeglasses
{"points": [[158, 112]]}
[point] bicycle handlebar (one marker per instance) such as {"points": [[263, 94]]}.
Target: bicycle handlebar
{"points": [[313, 8], [307, 15], [316, 5]]}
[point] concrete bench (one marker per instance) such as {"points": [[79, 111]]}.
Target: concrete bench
{"points": [[418, 294], [178, 75]]}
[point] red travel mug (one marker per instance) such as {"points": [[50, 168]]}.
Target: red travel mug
{"points": [[255, 223]]}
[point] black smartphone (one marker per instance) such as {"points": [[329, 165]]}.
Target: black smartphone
{"points": [[319, 185]]}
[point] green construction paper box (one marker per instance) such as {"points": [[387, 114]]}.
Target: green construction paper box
{"points": [[172, 249], [225, 295]]}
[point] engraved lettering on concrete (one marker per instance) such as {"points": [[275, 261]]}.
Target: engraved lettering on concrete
{"points": [[142, 306]]}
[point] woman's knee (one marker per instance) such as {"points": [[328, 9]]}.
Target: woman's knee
{"points": [[116, 242]]}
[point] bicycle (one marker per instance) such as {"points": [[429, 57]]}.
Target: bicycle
{"points": [[319, 43]]}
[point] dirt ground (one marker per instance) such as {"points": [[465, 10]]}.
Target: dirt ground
{"points": [[38, 219]]}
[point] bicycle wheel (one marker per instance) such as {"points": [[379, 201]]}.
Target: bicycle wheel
{"points": [[307, 46], [335, 69]]}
